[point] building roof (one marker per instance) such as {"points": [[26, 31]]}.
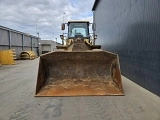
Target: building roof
{"points": [[78, 21], [95, 5], [16, 31]]}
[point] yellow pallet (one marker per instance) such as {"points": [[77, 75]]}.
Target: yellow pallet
{"points": [[7, 57]]}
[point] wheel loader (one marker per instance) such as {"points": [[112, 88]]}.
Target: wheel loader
{"points": [[79, 67]]}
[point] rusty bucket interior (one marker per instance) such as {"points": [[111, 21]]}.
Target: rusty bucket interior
{"points": [[64, 73]]}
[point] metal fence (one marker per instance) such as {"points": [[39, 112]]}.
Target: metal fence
{"points": [[13, 39]]}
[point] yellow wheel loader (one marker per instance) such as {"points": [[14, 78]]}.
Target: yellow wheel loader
{"points": [[79, 67]]}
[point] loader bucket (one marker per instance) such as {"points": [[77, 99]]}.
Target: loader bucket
{"points": [[92, 72]]}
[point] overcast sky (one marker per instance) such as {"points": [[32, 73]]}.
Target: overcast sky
{"points": [[23, 15]]}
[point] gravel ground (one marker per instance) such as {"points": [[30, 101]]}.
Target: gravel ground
{"points": [[17, 101]]}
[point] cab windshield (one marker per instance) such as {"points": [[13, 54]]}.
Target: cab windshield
{"points": [[78, 29]]}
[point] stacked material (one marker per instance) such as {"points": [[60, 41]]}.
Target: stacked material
{"points": [[27, 55], [7, 57]]}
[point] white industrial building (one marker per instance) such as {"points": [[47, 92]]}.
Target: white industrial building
{"points": [[47, 46]]}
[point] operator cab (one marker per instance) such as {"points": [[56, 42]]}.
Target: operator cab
{"points": [[78, 30]]}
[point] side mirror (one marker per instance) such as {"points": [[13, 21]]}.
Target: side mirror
{"points": [[62, 37], [94, 26], [63, 26]]}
